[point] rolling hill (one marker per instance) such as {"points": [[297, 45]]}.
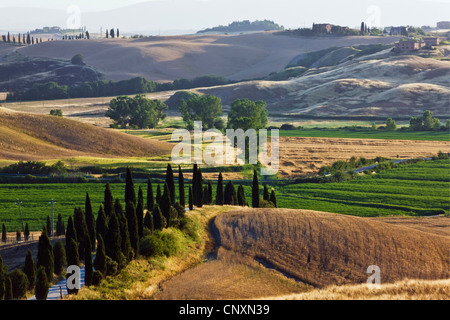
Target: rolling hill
{"points": [[382, 84], [38, 137], [167, 58], [324, 249]]}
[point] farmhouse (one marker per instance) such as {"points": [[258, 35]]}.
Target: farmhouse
{"points": [[411, 45]]}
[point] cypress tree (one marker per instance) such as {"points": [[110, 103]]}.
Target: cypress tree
{"points": [[130, 212], [148, 221], [199, 188], [210, 193], [205, 195], [140, 213], [191, 200], [273, 198], [170, 183], [255, 190], [59, 253], [230, 196], [125, 237], [150, 199], [100, 225], [241, 196], [42, 286], [165, 205], [108, 201], [194, 183], [118, 209], [88, 267], [113, 242], [100, 256], [26, 232], [30, 270], [130, 194], [90, 220], [45, 254], [9, 289], [2, 279], [159, 222], [181, 187], [71, 233], [18, 235], [79, 221], [219, 190], [158, 194], [49, 226], [60, 228], [266, 193], [3, 233], [73, 257]]}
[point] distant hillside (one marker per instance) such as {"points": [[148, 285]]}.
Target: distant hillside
{"points": [[26, 136], [335, 83], [19, 73], [245, 26], [234, 57]]}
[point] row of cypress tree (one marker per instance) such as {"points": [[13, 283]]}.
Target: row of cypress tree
{"points": [[115, 234]]}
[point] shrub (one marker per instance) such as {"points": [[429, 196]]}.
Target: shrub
{"points": [[160, 244], [265, 204], [19, 283]]}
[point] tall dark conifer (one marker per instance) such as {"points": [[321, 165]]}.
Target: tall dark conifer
{"points": [[88, 266], [241, 196], [108, 201], [30, 269], [130, 212], [194, 183], [165, 205], [158, 194], [45, 254], [230, 197], [191, 199], [170, 183], [140, 212], [101, 226], [219, 190], [199, 188], [79, 221], [273, 198], [71, 233], [255, 190], [130, 193], [90, 220], [113, 242], [181, 187], [159, 222], [266, 193], [150, 198], [100, 256]]}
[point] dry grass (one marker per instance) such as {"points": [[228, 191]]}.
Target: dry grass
{"points": [[141, 278], [230, 276], [34, 137], [304, 156], [168, 58], [324, 249], [401, 290]]}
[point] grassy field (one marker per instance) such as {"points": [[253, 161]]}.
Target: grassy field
{"points": [[359, 134], [417, 189]]}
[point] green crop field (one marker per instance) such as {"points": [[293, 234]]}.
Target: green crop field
{"points": [[417, 189], [359, 134]]}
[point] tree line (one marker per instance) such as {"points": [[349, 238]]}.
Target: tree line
{"points": [[52, 90], [21, 39], [118, 235]]}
